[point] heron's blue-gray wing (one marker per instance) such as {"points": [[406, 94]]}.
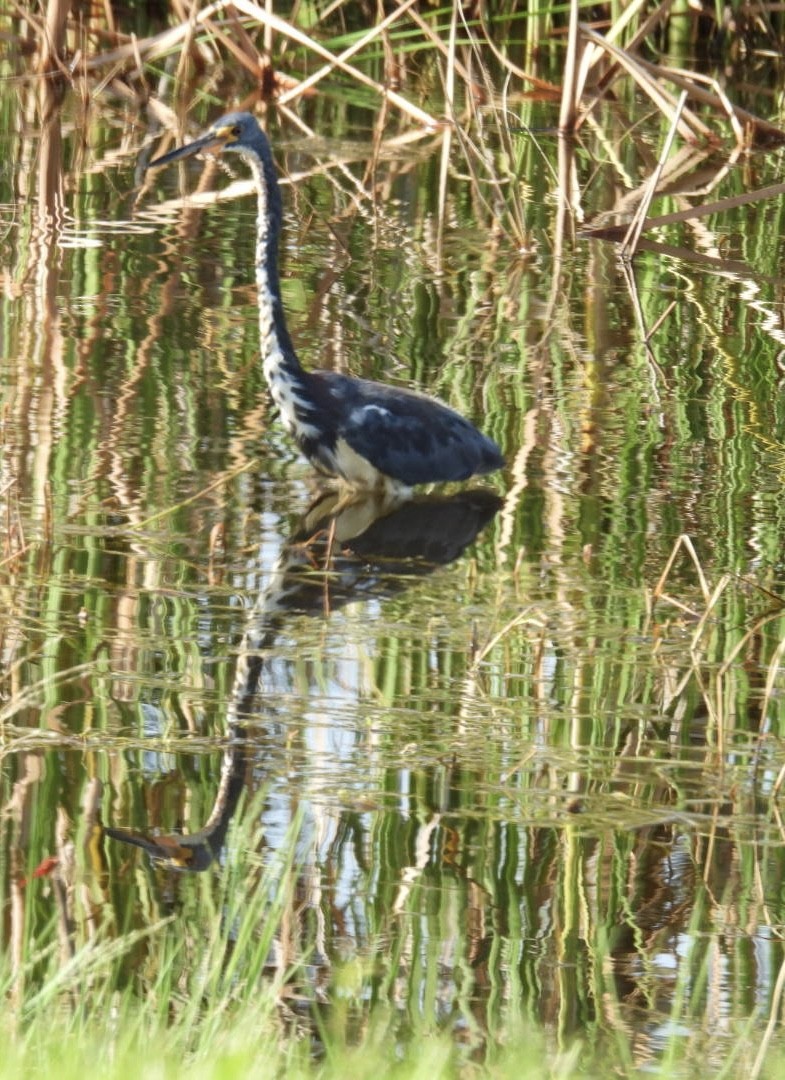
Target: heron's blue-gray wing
{"points": [[408, 436]]}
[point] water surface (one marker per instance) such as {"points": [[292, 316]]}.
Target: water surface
{"points": [[525, 783]]}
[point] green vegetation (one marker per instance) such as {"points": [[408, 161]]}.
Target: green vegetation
{"points": [[515, 814]]}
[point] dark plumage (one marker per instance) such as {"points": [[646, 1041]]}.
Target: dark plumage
{"points": [[368, 434]]}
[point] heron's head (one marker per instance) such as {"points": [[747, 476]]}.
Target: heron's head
{"points": [[236, 131]]}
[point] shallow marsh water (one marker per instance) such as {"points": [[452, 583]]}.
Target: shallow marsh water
{"points": [[523, 786]]}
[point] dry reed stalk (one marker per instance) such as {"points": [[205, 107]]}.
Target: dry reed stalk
{"points": [[242, 51], [712, 602], [657, 376], [53, 40], [188, 41], [661, 319], [686, 81], [594, 52], [774, 1022], [161, 44], [154, 47], [649, 80], [630, 244], [414, 112], [522, 616], [224, 478], [685, 542], [771, 676], [772, 191], [16, 554], [753, 630], [476, 151], [568, 114], [637, 66], [433, 38], [513, 204], [778, 783], [513, 69], [444, 159], [341, 58], [505, 777]]}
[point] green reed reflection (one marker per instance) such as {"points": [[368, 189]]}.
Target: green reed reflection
{"points": [[514, 804]]}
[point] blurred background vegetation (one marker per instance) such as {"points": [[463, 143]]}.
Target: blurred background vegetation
{"points": [[493, 787]]}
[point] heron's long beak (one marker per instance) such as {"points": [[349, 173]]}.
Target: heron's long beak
{"points": [[215, 138]]}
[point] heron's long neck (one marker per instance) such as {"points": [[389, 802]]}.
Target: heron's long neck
{"points": [[278, 356]]}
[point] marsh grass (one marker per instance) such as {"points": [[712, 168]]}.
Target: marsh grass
{"points": [[158, 999], [220, 975], [220, 987], [234, 1022]]}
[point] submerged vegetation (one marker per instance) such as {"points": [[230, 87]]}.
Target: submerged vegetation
{"points": [[490, 784]]}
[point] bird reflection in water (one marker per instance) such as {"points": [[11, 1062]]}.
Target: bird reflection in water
{"points": [[372, 551]]}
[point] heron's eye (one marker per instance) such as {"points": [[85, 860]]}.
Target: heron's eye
{"points": [[236, 130]]}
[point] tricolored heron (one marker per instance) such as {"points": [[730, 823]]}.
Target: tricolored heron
{"points": [[367, 434]]}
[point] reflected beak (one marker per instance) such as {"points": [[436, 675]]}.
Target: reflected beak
{"points": [[215, 138]]}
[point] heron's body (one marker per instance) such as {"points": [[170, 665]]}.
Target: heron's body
{"points": [[366, 433]]}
